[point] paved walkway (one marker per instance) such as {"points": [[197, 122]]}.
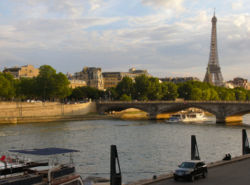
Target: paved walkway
{"points": [[232, 173]]}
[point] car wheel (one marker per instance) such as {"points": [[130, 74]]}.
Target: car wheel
{"points": [[204, 175], [176, 178], [192, 178]]}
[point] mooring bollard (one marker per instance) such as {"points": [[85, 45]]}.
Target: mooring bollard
{"points": [[194, 149], [245, 143], [115, 177]]}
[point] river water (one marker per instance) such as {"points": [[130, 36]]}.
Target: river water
{"points": [[145, 148]]}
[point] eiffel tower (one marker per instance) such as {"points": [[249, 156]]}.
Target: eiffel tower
{"points": [[213, 73]]}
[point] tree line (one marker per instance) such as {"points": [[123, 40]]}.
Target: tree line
{"points": [[144, 88], [50, 85]]}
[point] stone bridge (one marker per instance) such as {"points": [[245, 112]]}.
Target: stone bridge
{"points": [[224, 111]]}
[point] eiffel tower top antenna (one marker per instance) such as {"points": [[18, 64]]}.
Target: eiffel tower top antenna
{"points": [[214, 11]]}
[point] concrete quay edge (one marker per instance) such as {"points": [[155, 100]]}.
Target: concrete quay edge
{"points": [[170, 175]]}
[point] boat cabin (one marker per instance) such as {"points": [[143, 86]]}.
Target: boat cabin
{"points": [[40, 173]]}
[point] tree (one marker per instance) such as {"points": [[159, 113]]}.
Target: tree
{"points": [[111, 94], [185, 90], [169, 91], [61, 86], [206, 94], [142, 86], [213, 94], [50, 85], [125, 97], [248, 95], [125, 86], [78, 94], [155, 89], [226, 94], [26, 88], [86, 92], [240, 94], [45, 82], [7, 86], [196, 94]]}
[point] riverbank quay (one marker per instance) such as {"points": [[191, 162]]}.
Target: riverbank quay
{"points": [[234, 171], [31, 112]]}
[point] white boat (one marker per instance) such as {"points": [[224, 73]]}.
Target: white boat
{"points": [[187, 117]]}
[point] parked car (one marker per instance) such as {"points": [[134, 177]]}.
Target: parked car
{"points": [[190, 170]]}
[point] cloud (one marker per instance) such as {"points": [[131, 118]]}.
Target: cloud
{"points": [[240, 20], [70, 35], [149, 20], [56, 8], [237, 5], [95, 4], [51, 33], [175, 5]]}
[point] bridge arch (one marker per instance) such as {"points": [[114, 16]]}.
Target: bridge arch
{"points": [[121, 108]]}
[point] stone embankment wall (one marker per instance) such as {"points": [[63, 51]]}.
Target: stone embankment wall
{"points": [[23, 112]]}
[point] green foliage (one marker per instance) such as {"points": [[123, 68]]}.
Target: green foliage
{"points": [[125, 87], [26, 88], [155, 89], [111, 94], [61, 86], [240, 94], [78, 93], [125, 97], [149, 88], [226, 94], [196, 94], [50, 85], [169, 91], [185, 90], [45, 82], [87, 92], [206, 94], [7, 86], [248, 95], [142, 87], [214, 95]]}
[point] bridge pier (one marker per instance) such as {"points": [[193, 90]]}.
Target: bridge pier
{"points": [[152, 116], [221, 120]]}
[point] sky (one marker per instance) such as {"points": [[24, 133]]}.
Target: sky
{"points": [[169, 38]]}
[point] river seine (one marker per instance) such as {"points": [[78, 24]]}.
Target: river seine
{"points": [[145, 148]]}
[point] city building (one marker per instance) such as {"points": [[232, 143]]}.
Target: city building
{"points": [[92, 76], [27, 71], [179, 79], [135, 72], [77, 83], [239, 82], [228, 85], [213, 73], [111, 79]]}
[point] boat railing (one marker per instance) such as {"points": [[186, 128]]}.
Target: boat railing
{"points": [[15, 165]]}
